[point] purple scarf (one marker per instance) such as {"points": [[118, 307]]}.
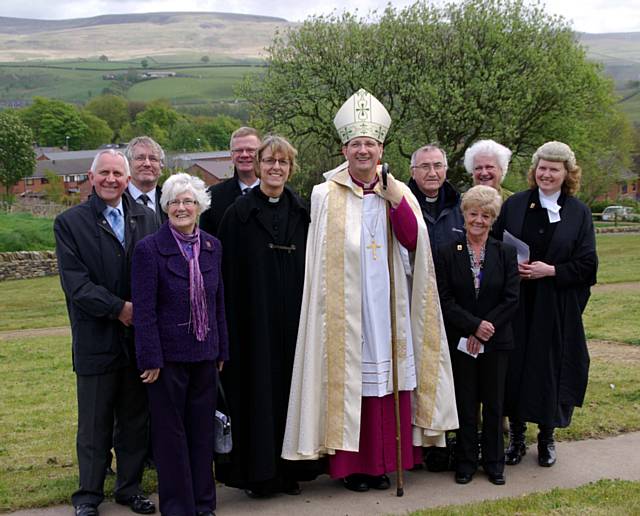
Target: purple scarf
{"points": [[197, 295]]}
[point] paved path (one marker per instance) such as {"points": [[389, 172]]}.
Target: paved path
{"points": [[579, 462]]}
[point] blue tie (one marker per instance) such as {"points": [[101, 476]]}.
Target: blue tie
{"points": [[117, 223]]}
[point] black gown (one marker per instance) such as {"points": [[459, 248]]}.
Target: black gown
{"points": [[549, 366], [264, 247]]}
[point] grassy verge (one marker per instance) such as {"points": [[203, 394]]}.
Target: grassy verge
{"points": [[38, 424], [605, 497], [619, 256], [613, 316], [24, 232], [32, 303], [38, 418]]}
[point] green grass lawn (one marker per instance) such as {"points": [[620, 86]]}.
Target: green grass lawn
{"points": [[32, 303], [605, 498], [38, 424], [613, 316], [24, 232], [619, 256]]}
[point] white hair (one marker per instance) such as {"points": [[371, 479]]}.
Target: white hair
{"points": [[180, 183], [113, 152], [501, 153]]}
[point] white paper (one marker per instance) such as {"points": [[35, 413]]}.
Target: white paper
{"points": [[521, 248], [462, 346]]}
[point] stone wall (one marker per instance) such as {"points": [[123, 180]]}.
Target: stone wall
{"points": [[27, 264]]}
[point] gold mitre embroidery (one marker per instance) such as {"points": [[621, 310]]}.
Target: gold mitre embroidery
{"points": [[362, 115]]}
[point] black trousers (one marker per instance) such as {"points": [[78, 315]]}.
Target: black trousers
{"points": [[183, 403], [480, 380], [112, 410]]}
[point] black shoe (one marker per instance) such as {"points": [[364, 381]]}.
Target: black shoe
{"points": [[547, 454], [517, 447], [463, 478], [86, 509], [546, 447], [139, 504], [497, 479], [381, 483], [258, 493], [357, 483], [291, 487], [205, 513]]}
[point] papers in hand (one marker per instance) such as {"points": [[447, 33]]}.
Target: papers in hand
{"points": [[462, 346], [521, 248]]}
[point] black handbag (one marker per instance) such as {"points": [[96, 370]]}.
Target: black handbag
{"points": [[222, 440]]}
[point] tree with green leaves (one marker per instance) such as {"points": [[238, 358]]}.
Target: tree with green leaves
{"points": [[52, 121], [452, 74], [98, 131], [113, 109], [17, 159]]}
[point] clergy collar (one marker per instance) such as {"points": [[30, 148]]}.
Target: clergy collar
{"points": [[367, 188]]}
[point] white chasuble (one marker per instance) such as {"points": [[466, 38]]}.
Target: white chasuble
{"points": [[377, 378], [340, 316]]}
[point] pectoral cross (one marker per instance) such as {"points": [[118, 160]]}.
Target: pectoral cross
{"points": [[373, 246]]}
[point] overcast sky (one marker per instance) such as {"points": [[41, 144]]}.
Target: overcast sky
{"points": [[586, 15]]}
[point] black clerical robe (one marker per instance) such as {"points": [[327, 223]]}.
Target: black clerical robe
{"points": [[263, 268]]}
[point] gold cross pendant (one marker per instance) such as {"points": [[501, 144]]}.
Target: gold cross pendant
{"points": [[373, 246]]}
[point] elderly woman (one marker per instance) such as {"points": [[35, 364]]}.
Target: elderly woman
{"points": [[478, 284], [181, 344], [264, 237], [548, 370], [488, 162]]}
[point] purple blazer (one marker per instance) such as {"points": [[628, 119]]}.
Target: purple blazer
{"points": [[161, 309]]}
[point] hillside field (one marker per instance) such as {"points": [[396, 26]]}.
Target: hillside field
{"points": [[78, 81]]}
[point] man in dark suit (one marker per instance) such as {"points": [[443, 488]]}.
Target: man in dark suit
{"points": [[146, 160], [244, 144], [94, 245]]}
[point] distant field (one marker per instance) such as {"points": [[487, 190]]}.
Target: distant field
{"points": [[632, 108], [78, 81], [206, 84]]}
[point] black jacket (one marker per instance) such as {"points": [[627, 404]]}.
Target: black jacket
{"points": [[222, 196], [160, 215], [95, 276], [448, 226], [497, 300]]}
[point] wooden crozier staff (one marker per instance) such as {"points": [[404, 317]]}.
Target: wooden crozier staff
{"points": [[394, 340]]}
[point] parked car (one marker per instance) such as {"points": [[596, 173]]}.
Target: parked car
{"points": [[618, 213]]}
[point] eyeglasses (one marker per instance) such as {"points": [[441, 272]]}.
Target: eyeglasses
{"points": [[271, 162], [142, 158], [187, 203], [425, 167], [249, 150]]}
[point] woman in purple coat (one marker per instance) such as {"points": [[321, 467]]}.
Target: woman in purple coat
{"points": [[181, 345]]}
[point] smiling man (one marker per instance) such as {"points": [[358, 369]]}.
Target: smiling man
{"points": [[439, 201], [341, 401], [243, 145], [94, 245], [146, 161]]}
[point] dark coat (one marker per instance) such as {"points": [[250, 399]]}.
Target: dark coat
{"points": [[160, 290], [263, 287], [448, 226], [95, 277], [497, 300], [549, 367], [160, 215], [222, 196]]}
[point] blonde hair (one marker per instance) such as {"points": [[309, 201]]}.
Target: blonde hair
{"points": [[557, 152], [484, 197]]}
